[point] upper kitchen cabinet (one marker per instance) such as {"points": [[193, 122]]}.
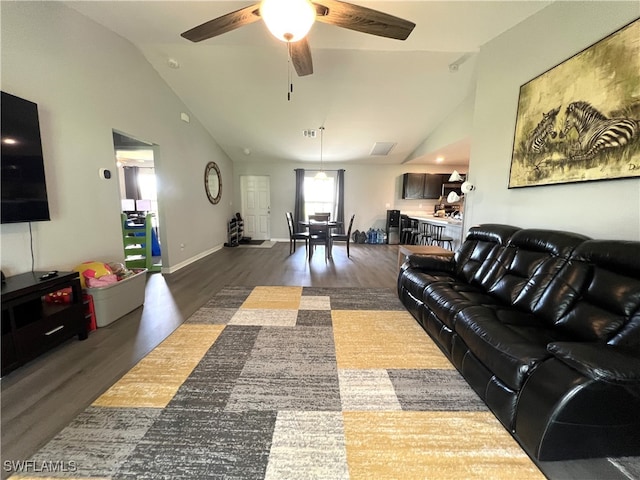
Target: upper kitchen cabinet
{"points": [[413, 185], [433, 185], [422, 185]]}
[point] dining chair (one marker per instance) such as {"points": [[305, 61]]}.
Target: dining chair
{"points": [[344, 237], [295, 236], [439, 238], [323, 214], [319, 234]]}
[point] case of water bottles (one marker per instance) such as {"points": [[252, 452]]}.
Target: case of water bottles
{"points": [[377, 236]]}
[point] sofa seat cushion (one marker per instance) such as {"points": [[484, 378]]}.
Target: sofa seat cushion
{"points": [[510, 343], [446, 299]]}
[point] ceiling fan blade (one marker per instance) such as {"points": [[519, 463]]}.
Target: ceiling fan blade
{"points": [[363, 19], [301, 57], [223, 24]]}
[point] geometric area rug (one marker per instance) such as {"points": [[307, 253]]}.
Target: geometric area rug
{"points": [[288, 383]]}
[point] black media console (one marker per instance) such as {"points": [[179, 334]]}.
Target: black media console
{"points": [[32, 325]]}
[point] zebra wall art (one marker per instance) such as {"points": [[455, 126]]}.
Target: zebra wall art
{"points": [[580, 120], [539, 138], [595, 131]]}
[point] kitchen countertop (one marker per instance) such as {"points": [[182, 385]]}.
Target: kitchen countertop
{"points": [[440, 220]]}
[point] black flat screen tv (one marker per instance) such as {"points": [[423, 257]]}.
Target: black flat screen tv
{"points": [[24, 189]]}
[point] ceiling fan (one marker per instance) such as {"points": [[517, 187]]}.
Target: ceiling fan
{"points": [[290, 21]]}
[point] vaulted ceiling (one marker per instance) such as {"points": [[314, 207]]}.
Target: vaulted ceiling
{"points": [[364, 89]]}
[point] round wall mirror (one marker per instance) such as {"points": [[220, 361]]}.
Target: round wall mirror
{"points": [[213, 182]]}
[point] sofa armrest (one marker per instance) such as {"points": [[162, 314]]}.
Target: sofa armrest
{"points": [[432, 263], [601, 362]]}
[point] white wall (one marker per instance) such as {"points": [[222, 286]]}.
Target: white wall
{"points": [[88, 81], [456, 127], [603, 209], [370, 190]]}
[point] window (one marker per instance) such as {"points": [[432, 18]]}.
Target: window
{"points": [[148, 191], [320, 194], [147, 183]]}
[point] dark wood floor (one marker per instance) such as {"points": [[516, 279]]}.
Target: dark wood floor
{"points": [[42, 397]]}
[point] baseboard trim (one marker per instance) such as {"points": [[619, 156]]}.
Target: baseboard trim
{"points": [[189, 261]]}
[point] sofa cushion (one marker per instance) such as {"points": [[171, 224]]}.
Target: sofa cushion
{"points": [[420, 271], [610, 302], [510, 343], [433, 265], [470, 263], [524, 269], [596, 296], [474, 258], [446, 299]]}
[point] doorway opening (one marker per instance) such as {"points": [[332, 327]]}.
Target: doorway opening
{"points": [[139, 201]]}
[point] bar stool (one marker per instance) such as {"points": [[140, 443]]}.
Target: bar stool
{"points": [[405, 225], [424, 238], [410, 232], [439, 238]]}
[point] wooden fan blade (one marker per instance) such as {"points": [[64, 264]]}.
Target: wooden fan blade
{"points": [[223, 24], [301, 57], [362, 19]]}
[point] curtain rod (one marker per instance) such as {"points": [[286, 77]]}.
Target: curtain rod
{"points": [[319, 170]]}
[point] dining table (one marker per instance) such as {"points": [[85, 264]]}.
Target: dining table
{"points": [[331, 225]]}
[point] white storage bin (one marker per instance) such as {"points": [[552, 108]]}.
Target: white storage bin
{"points": [[116, 300]]}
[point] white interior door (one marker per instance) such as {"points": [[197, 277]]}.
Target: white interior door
{"points": [[256, 206]]}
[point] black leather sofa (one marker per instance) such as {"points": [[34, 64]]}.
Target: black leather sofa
{"points": [[545, 327]]}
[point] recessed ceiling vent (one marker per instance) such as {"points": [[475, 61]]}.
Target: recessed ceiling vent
{"points": [[382, 148]]}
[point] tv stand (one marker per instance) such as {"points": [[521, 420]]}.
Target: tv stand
{"points": [[30, 324]]}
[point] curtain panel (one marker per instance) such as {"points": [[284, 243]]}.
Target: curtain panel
{"points": [[298, 211], [340, 200]]}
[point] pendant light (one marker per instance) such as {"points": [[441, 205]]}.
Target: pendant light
{"points": [[321, 175], [456, 177]]}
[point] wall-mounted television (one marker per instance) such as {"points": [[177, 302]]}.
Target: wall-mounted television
{"points": [[24, 189]]}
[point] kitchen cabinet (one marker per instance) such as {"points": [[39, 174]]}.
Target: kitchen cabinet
{"points": [[433, 185], [413, 186], [423, 185]]}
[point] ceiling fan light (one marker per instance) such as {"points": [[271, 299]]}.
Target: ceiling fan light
{"points": [[288, 20]]}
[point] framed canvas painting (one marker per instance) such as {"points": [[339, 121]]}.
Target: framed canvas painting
{"points": [[580, 121]]}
